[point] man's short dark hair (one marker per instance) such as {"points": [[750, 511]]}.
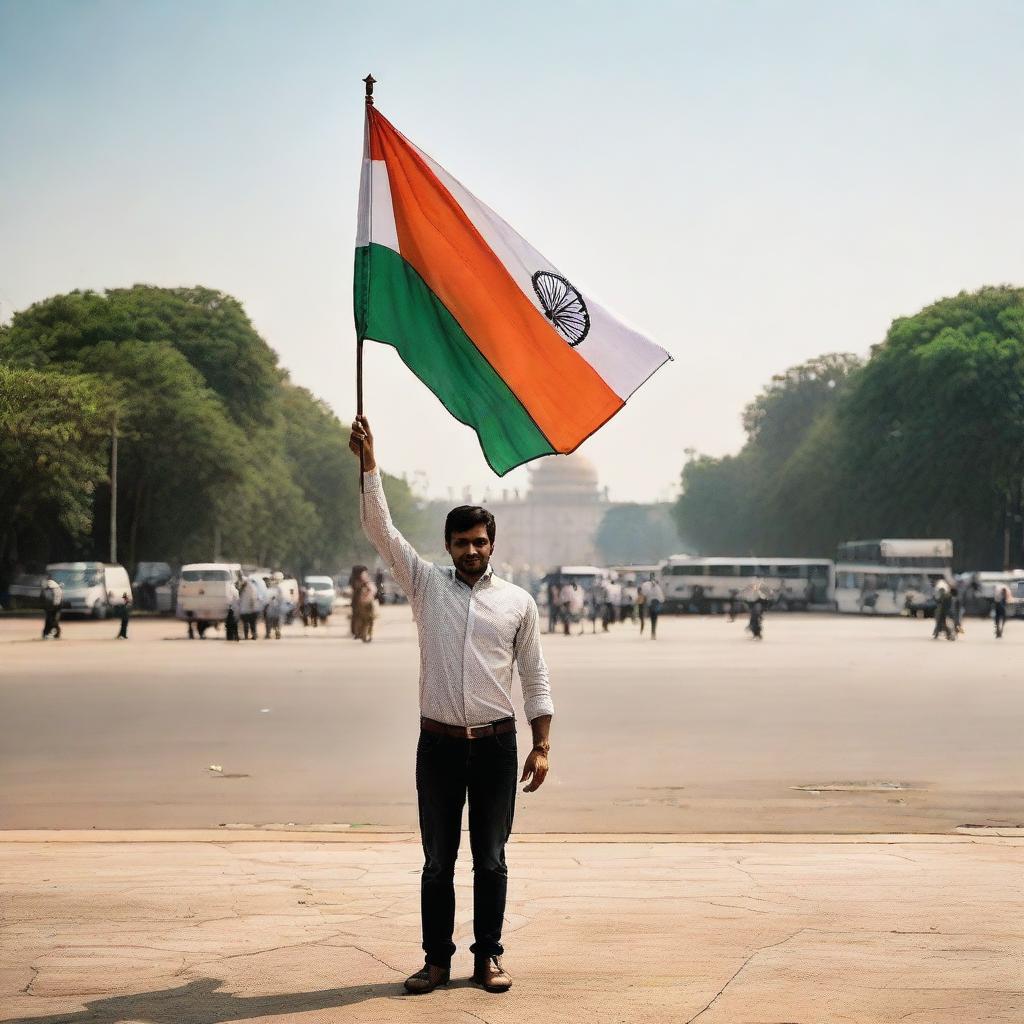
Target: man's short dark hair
{"points": [[465, 517]]}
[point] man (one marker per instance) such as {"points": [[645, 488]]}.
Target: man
{"points": [[612, 597], [756, 618], [52, 597], [943, 605], [999, 608], [364, 597], [576, 605], [125, 612], [564, 602], [627, 601], [249, 599], [272, 615], [472, 626], [653, 598]]}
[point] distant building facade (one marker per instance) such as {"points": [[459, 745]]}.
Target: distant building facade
{"points": [[555, 522]]}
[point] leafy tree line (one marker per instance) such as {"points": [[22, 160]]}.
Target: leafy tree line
{"points": [[924, 439], [217, 448]]}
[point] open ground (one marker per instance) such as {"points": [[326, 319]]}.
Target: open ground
{"points": [[832, 724]]}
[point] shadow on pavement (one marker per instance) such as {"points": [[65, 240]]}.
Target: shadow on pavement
{"points": [[199, 1002]]}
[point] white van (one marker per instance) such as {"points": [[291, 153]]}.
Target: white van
{"points": [[206, 590], [91, 588]]}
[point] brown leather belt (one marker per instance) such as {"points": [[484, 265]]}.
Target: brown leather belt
{"points": [[469, 732]]}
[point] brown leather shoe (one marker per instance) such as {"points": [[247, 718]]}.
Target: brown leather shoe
{"points": [[426, 980], [490, 975]]}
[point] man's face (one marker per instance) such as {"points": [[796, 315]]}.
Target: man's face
{"points": [[470, 550]]}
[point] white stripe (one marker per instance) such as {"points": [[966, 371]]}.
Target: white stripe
{"points": [[382, 222], [623, 358]]}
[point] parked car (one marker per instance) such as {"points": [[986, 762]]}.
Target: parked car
{"points": [[91, 588], [25, 589], [149, 576], [206, 590]]}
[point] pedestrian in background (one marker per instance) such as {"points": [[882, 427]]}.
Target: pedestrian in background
{"points": [[126, 614], [653, 597], [943, 605], [554, 590], [574, 606], [52, 596], [272, 616], [627, 601], [230, 623], [249, 602], [310, 609], [364, 609], [1002, 598], [564, 600], [956, 597], [755, 625], [612, 597]]}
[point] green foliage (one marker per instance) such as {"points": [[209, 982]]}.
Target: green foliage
{"points": [[217, 447], [54, 432], [741, 504], [927, 439], [637, 534], [208, 328]]}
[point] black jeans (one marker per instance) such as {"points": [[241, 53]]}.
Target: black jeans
{"points": [[447, 769]]}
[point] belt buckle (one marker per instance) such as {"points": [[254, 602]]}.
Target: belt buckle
{"points": [[468, 732]]}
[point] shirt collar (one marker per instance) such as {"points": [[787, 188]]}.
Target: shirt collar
{"points": [[487, 577]]}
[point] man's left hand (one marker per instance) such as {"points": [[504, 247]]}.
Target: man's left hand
{"points": [[535, 769]]}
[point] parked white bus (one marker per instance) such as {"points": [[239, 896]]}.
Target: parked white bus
{"points": [[707, 584], [891, 576], [919, 552], [885, 589]]}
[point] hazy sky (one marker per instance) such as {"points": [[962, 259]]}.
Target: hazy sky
{"points": [[750, 183]]}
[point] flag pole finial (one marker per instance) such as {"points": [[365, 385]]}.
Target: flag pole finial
{"points": [[370, 82]]}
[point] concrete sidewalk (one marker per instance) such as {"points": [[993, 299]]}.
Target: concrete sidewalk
{"points": [[204, 927]]}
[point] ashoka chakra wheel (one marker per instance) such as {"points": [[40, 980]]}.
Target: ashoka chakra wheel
{"points": [[563, 305]]}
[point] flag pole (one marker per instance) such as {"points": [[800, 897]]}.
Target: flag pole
{"points": [[369, 81]]}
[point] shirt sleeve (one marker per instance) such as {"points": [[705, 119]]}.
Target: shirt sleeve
{"points": [[405, 564], [533, 672]]}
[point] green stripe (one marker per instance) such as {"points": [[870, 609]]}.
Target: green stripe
{"points": [[394, 305]]}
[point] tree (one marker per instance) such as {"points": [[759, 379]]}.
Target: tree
{"points": [[634, 534], [218, 448], [740, 504], [926, 439], [54, 432], [934, 433], [208, 328]]}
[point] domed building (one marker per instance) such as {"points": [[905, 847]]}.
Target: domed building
{"points": [[556, 523]]}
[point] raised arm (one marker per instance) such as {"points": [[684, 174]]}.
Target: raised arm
{"points": [[405, 564]]}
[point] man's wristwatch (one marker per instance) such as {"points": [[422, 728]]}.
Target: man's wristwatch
{"points": [[542, 748]]}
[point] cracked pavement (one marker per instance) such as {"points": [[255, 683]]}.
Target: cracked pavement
{"points": [[199, 928]]}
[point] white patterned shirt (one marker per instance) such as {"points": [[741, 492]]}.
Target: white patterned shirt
{"points": [[469, 636]]}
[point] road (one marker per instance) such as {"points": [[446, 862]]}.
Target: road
{"points": [[830, 725]]}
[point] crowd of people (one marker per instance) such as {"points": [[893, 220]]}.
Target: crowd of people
{"points": [[949, 610], [608, 602]]}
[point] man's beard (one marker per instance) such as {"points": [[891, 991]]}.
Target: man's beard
{"points": [[472, 565]]}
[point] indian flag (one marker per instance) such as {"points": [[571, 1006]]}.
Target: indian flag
{"points": [[510, 345]]}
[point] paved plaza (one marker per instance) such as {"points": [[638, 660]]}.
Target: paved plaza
{"points": [[805, 930], [832, 724]]}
